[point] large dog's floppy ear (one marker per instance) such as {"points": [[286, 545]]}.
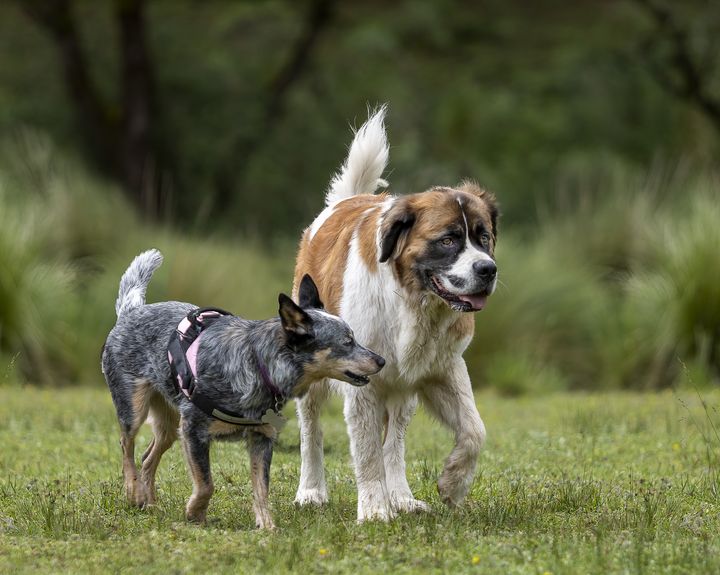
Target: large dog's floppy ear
{"points": [[394, 229], [470, 187], [295, 321], [308, 294]]}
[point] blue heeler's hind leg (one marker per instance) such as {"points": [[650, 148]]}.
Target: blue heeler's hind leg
{"points": [[131, 403], [165, 420], [148, 451], [260, 449]]}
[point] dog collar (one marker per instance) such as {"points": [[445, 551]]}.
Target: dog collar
{"points": [[182, 356], [267, 380]]}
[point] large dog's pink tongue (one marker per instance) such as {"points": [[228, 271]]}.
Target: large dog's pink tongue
{"points": [[477, 301]]}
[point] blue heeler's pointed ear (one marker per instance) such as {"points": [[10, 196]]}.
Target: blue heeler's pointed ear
{"points": [[308, 294], [294, 320]]}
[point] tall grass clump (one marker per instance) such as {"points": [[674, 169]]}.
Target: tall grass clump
{"points": [[674, 305], [33, 295], [235, 275], [66, 237], [545, 324], [57, 222], [615, 287]]}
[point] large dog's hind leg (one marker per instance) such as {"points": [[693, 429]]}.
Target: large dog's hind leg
{"points": [[312, 489], [452, 401], [364, 414], [399, 414]]}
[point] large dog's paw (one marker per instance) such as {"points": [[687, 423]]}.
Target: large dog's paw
{"points": [[196, 513], [380, 513], [315, 497], [453, 489], [266, 525], [374, 506], [409, 505]]}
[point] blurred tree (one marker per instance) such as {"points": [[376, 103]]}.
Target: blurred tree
{"points": [[126, 145], [683, 57], [235, 113], [92, 116], [246, 145]]}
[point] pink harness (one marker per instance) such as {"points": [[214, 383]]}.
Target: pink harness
{"points": [[182, 355]]}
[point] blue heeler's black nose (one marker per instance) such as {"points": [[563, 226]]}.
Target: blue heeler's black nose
{"points": [[485, 269], [380, 361]]}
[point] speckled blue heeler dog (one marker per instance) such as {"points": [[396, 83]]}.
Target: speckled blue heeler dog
{"points": [[242, 367]]}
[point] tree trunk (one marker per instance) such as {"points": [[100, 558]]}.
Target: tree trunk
{"points": [[138, 157], [126, 149], [98, 133], [680, 72], [232, 172]]}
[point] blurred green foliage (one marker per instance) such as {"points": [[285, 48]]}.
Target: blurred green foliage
{"points": [[519, 95], [617, 289], [573, 113]]}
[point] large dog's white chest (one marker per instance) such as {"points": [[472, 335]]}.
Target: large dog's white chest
{"points": [[412, 336]]}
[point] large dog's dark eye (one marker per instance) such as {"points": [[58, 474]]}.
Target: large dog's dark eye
{"points": [[448, 242], [485, 240]]}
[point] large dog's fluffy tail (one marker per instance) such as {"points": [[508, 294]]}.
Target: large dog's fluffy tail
{"points": [[135, 280], [361, 173]]}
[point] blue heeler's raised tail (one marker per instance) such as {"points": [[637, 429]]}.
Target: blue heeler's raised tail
{"points": [[135, 280]]}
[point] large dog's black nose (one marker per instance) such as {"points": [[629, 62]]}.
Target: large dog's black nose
{"points": [[485, 269]]}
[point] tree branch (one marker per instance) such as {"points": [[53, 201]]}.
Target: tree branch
{"points": [[245, 147], [94, 123], [140, 165], [689, 81]]}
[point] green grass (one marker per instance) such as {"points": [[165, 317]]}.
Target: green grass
{"points": [[568, 483]]}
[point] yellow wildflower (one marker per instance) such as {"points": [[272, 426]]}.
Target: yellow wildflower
{"points": [[475, 559]]}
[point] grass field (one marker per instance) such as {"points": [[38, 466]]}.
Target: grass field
{"points": [[568, 483]]}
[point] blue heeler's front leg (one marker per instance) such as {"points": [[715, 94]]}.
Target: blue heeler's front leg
{"points": [[260, 448], [196, 446]]}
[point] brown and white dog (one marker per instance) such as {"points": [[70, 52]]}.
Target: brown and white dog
{"points": [[402, 271]]}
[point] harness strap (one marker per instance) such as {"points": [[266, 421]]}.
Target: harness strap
{"points": [[208, 407], [182, 356]]}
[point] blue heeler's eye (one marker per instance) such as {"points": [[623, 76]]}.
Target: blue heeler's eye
{"points": [[348, 341]]}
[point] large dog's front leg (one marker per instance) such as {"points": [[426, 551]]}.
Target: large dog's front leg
{"points": [[452, 401], [399, 414], [363, 414]]}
